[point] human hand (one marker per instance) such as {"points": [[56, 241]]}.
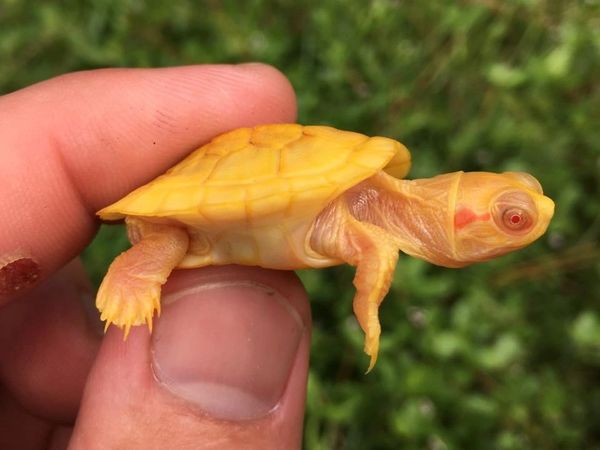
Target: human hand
{"points": [[227, 363]]}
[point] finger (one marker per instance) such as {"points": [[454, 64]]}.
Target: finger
{"points": [[225, 368], [18, 428], [47, 345], [78, 142]]}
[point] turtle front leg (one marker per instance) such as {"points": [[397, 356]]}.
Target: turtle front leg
{"points": [[130, 291], [374, 253]]}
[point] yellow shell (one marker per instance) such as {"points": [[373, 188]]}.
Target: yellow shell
{"points": [[251, 173], [251, 179]]}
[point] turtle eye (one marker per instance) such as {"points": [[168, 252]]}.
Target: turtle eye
{"points": [[515, 212], [516, 219]]}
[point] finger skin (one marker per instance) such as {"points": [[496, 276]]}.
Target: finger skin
{"points": [[127, 408], [78, 142], [48, 344], [19, 429]]}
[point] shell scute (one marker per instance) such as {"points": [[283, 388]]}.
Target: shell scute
{"points": [[366, 156], [233, 167], [274, 186], [232, 140], [275, 136], [267, 208], [254, 175], [218, 213], [215, 195], [345, 138], [302, 201], [316, 153], [199, 165], [176, 199]]}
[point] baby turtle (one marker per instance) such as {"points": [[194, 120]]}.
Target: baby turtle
{"points": [[288, 196]]}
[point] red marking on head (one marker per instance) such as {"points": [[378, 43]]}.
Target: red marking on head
{"points": [[465, 216]]}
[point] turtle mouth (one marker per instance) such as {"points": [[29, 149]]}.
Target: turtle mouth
{"points": [[546, 209]]}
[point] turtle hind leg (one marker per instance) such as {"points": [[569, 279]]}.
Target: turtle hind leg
{"points": [[130, 291], [374, 253]]}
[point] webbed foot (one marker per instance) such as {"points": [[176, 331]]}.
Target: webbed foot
{"points": [[130, 291]]}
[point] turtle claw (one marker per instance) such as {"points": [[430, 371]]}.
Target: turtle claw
{"points": [[149, 321], [372, 350], [126, 300], [130, 291], [126, 333]]}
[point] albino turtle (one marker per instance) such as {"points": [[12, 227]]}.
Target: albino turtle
{"points": [[291, 196]]}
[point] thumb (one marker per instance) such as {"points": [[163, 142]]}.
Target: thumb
{"points": [[225, 368]]}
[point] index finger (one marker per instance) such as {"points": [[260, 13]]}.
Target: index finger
{"points": [[77, 142]]}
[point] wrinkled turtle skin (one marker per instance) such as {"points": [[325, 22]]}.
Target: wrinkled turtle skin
{"points": [[288, 196]]}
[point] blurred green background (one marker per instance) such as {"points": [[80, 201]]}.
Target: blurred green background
{"points": [[504, 355]]}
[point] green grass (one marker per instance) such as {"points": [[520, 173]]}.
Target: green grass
{"points": [[504, 355]]}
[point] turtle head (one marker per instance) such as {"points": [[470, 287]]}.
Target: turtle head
{"points": [[493, 214], [455, 219]]}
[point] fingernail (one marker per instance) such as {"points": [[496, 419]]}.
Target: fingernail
{"points": [[17, 273], [227, 347]]}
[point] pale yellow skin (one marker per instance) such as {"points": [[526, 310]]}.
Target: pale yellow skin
{"points": [[291, 196]]}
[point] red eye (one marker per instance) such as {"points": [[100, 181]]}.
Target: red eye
{"points": [[515, 219], [515, 212]]}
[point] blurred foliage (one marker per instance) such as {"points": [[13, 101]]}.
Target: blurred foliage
{"points": [[504, 355]]}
